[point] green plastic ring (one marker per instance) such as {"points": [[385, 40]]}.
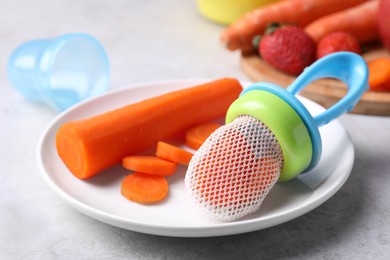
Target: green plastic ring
{"points": [[285, 124]]}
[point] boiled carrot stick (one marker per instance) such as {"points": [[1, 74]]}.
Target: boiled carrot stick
{"points": [[91, 145], [198, 134], [149, 164], [360, 20], [239, 35], [379, 74], [173, 153], [144, 188]]}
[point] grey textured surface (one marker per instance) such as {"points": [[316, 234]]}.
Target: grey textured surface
{"points": [[161, 40]]}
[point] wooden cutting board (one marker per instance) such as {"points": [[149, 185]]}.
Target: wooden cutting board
{"points": [[325, 92]]}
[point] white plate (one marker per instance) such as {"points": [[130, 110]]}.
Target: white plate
{"points": [[177, 215]]}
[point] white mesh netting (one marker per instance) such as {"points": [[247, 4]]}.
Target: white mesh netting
{"points": [[232, 172]]}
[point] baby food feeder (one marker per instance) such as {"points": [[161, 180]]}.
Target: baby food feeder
{"points": [[269, 136]]}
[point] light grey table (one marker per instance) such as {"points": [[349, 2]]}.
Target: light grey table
{"points": [[161, 40]]}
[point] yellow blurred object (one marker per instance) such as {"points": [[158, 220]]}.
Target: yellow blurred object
{"points": [[227, 11]]}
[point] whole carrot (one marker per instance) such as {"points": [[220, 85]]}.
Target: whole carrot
{"points": [[301, 12], [360, 20], [91, 145]]}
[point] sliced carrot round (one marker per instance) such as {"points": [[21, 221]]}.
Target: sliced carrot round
{"points": [[144, 188], [173, 153], [149, 164], [197, 135]]}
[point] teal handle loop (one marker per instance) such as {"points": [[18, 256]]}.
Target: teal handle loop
{"points": [[345, 66]]}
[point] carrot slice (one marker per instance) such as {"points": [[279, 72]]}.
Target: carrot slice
{"points": [[144, 188], [379, 74], [196, 136], [93, 144], [173, 153], [149, 164]]}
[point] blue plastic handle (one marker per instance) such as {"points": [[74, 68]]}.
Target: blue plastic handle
{"points": [[348, 67], [345, 66]]}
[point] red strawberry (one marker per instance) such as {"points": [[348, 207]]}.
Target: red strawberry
{"points": [[337, 41], [288, 48]]}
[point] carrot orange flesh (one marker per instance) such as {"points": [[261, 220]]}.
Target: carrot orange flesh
{"points": [[91, 145], [149, 164], [379, 74], [361, 21], [173, 153], [144, 188], [197, 135], [239, 35]]}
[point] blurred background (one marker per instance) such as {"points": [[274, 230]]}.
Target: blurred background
{"points": [[150, 41]]}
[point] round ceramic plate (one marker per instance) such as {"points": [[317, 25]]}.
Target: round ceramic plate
{"points": [[100, 198]]}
